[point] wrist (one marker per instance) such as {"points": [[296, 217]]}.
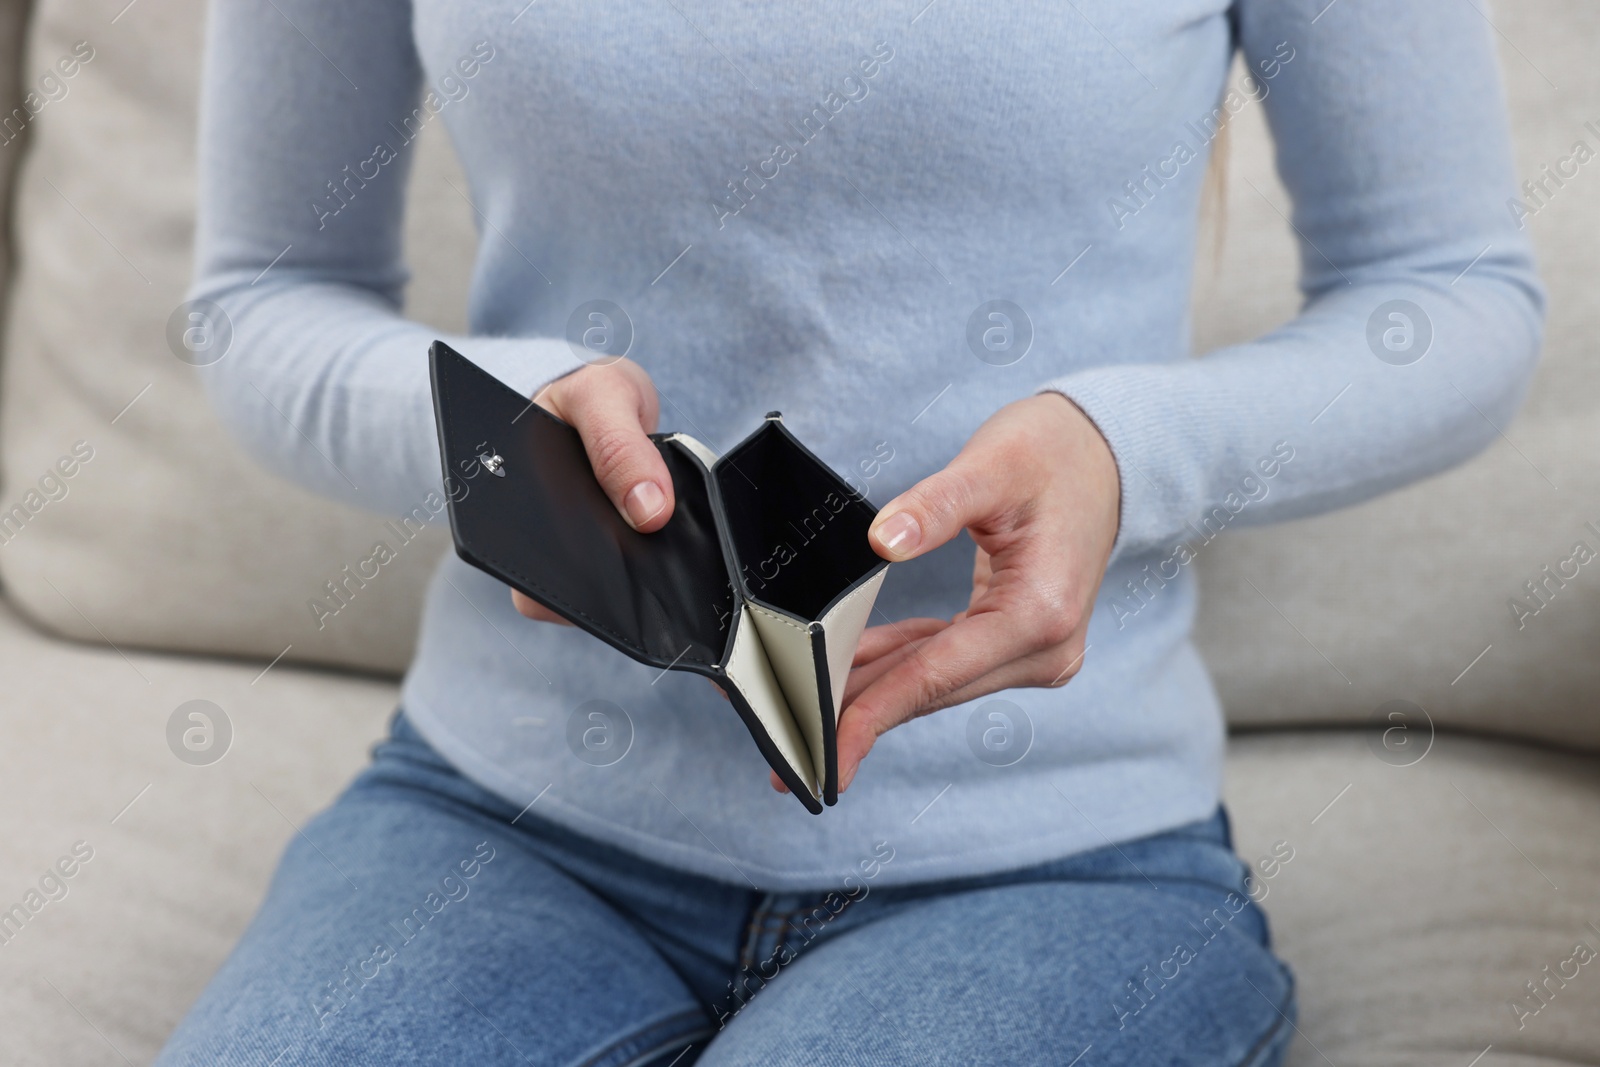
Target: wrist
{"points": [[1084, 445]]}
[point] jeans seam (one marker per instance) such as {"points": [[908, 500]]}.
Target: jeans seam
{"points": [[752, 932], [764, 920], [652, 1053], [632, 1049], [783, 932], [785, 927], [1266, 1040]]}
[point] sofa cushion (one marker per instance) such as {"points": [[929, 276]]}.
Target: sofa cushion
{"points": [[179, 851], [169, 536], [1425, 889], [1399, 597]]}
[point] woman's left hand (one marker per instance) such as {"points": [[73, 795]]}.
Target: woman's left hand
{"points": [[1038, 490]]}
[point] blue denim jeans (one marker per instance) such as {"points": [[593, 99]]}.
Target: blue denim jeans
{"points": [[422, 920]]}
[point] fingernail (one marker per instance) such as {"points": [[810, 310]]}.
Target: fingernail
{"points": [[848, 777], [900, 533], [644, 502]]}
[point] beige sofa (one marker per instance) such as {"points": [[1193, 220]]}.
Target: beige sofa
{"points": [[1436, 869]]}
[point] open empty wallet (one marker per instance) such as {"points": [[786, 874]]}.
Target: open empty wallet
{"points": [[761, 581]]}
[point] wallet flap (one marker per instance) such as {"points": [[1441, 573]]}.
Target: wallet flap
{"points": [[797, 529], [842, 626], [525, 506], [798, 535], [764, 702], [791, 650]]}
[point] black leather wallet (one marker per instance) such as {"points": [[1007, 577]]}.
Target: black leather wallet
{"points": [[762, 580]]}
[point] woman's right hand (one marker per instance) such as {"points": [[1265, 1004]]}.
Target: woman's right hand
{"points": [[613, 407]]}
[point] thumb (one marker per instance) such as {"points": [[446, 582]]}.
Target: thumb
{"points": [[611, 414], [934, 511]]}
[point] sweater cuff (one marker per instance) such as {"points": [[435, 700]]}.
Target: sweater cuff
{"points": [[1134, 408], [526, 364]]}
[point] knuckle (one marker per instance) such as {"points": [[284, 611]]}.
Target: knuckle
{"points": [[872, 719], [1050, 618], [611, 452], [1057, 626], [637, 378], [929, 685], [597, 387], [937, 681], [880, 723], [941, 497], [581, 384], [1063, 667]]}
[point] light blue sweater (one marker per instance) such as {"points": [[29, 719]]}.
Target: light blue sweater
{"points": [[807, 207]]}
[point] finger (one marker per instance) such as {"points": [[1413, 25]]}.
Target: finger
{"points": [[863, 676], [972, 489], [945, 663], [611, 412], [982, 571], [777, 783], [878, 640], [531, 608], [1043, 669]]}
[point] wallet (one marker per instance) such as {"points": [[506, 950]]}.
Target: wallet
{"points": [[762, 580]]}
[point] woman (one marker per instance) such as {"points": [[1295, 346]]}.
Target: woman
{"points": [[953, 245]]}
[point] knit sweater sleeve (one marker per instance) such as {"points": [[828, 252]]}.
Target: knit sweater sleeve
{"points": [[1422, 316], [309, 113]]}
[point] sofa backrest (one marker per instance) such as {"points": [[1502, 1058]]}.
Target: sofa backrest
{"points": [[169, 537], [13, 20], [1409, 597]]}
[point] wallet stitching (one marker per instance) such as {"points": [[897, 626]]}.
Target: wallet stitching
{"points": [[777, 618], [557, 601]]}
